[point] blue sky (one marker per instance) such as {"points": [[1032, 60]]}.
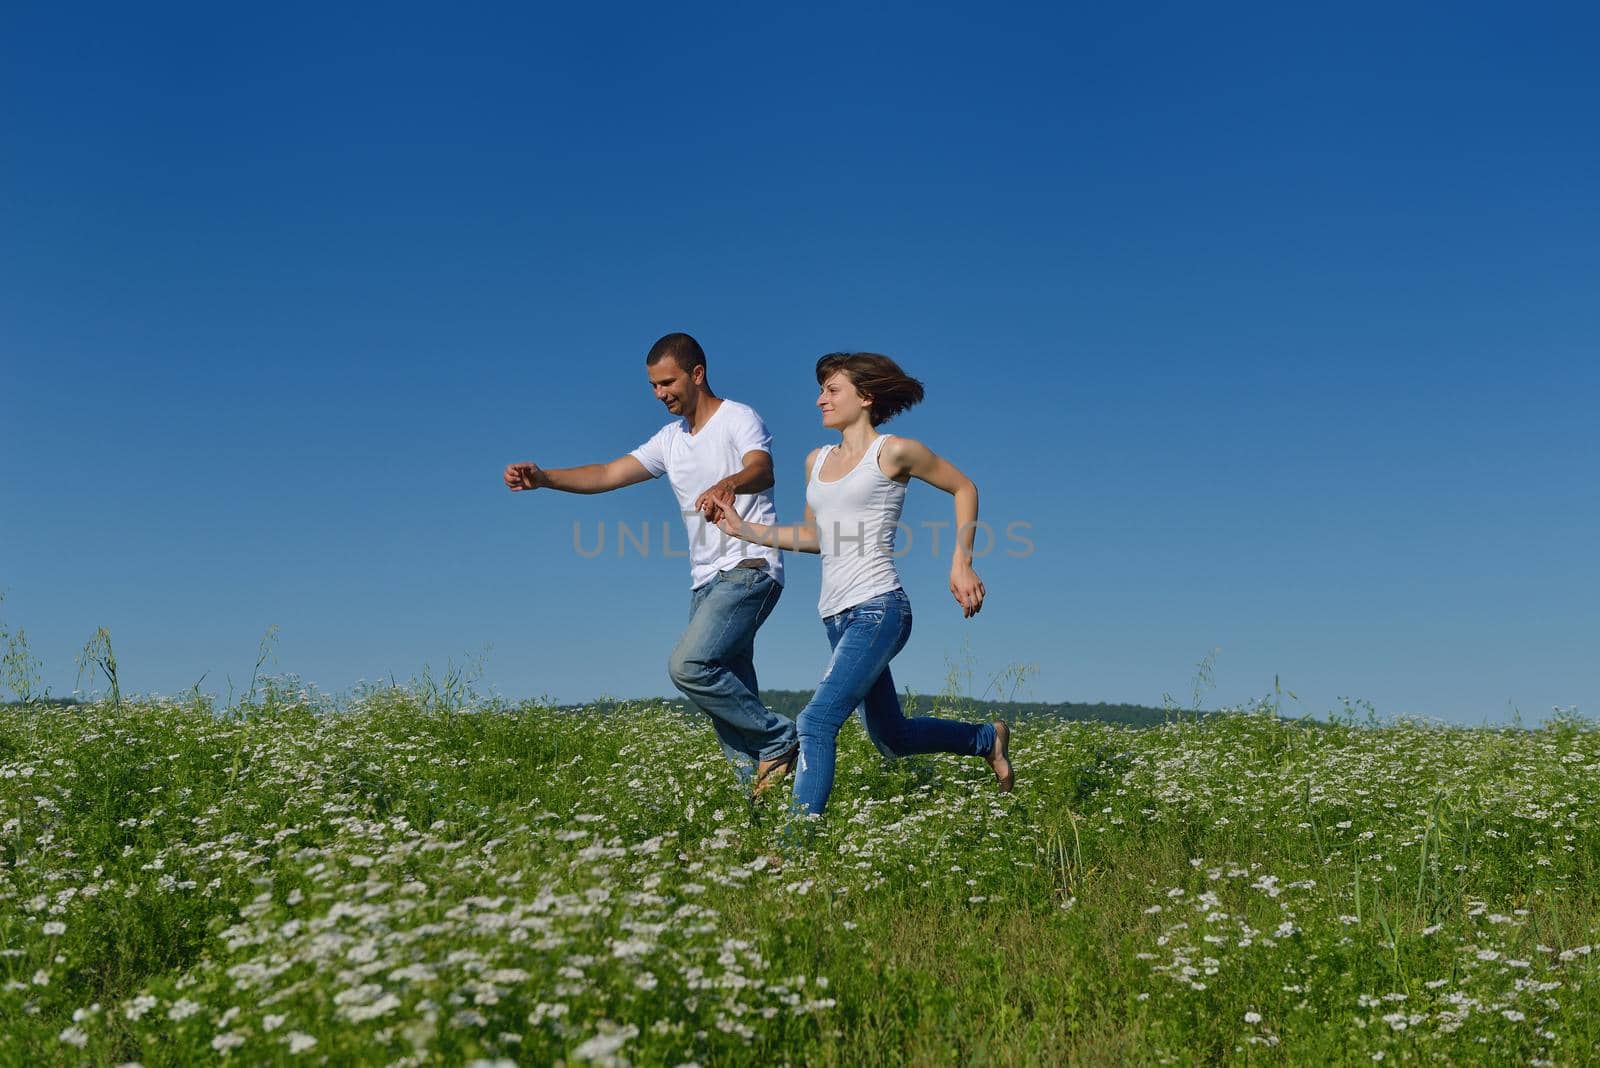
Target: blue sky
{"points": [[1278, 326]]}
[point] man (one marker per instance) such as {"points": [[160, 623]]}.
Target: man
{"points": [[716, 455]]}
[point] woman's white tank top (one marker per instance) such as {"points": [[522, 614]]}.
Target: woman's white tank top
{"points": [[857, 517]]}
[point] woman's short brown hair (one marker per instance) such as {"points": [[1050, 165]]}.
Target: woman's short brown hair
{"points": [[875, 377]]}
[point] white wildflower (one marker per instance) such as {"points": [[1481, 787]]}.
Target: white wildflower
{"points": [[226, 1041], [182, 1009], [603, 1047]]}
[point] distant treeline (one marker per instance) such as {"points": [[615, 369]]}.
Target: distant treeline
{"points": [[790, 702]]}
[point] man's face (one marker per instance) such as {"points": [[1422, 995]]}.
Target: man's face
{"points": [[674, 387]]}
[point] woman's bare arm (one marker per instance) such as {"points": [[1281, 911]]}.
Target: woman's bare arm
{"points": [[906, 457], [800, 538]]}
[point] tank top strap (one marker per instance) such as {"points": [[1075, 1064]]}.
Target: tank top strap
{"points": [[872, 455], [822, 456]]}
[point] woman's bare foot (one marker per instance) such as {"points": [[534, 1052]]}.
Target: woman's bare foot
{"points": [[999, 758]]}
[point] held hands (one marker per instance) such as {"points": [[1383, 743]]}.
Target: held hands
{"points": [[523, 477], [967, 588], [715, 502]]}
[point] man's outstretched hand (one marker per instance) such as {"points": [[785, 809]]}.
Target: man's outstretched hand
{"points": [[523, 477]]}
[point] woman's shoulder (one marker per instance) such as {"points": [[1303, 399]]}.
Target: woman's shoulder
{"points": [[896, 447], [898, 456]]}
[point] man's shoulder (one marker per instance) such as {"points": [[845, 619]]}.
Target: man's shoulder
{"points": [[742, 413]]}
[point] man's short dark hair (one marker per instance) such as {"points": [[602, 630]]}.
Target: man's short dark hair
{"points": [[681, 347]]}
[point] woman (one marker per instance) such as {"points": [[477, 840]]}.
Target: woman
{"points": [[854, 493]]}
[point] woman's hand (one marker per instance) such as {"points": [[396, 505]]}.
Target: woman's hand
{"points": [[731, 525], [967, 588]]}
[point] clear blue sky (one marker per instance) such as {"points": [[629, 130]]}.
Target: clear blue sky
{"points": [[1279, 326]]}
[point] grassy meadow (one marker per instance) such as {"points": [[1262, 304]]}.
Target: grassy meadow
{"points": [[401, 882]]}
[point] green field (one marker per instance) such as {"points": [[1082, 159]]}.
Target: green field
{"points": [[402, 883]]}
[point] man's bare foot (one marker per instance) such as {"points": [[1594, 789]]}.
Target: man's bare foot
{"points": [[999, 758], [769, 772]]}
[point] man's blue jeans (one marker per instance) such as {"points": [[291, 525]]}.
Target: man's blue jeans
{"points": [[714, 666], [864, 639]]}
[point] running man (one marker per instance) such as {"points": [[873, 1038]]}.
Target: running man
{"points": [[717, 455]]}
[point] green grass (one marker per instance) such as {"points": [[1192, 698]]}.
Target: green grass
{"points": [[395, 884]]}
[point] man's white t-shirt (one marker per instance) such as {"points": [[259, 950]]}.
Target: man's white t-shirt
{"points": [[692, 463]]}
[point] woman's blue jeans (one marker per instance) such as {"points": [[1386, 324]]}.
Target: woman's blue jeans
{"points": [[864, 639]]}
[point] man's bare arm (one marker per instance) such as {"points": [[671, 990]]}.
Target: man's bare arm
{"points": [[590, 478]]}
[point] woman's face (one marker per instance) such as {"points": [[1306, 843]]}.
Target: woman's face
{"points": [[841, 405]]}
